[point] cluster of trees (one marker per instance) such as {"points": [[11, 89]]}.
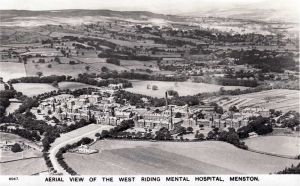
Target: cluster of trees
{"points": [[116, 131], [163, 134], [290, 119], [230, 136], [259, 125], [138, 100], [291, 170], [267, 61], [5, 95], [113, 61]]}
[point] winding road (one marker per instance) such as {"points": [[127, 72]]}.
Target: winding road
{"points": [[73, 137]]}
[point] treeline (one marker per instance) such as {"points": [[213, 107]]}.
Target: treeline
{"points": [[124, 56], [139, 76], [36, 79], [95, 42], [82, 78], [226, 81], [60, 158], [30, 135]]}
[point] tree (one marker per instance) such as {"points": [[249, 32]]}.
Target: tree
{"points": [[189, 129], [114, 61], [49, 66], [16, 148], [178, 115], [40, 74], [87, 68], [233, 108], [104, 69], [154, 87], [181, 130], [55, 84]]}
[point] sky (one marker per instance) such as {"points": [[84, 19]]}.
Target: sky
{"points": [[157, 6]]}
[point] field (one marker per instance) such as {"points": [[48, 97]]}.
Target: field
{"points": [[281, 145], [279, 99], [154, 158], [33, 89], [11, 70], [183, 88], [23, 167]]}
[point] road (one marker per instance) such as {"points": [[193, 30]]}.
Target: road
{"points": [[73, 137]]}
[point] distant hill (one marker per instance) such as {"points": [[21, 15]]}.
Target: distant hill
{"points": [[9, 15]]}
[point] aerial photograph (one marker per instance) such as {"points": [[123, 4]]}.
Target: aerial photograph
{"points": [[149, 87]]}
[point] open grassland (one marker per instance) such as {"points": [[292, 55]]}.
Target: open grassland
{"points": [[183, 88], [118, 157], [10, 70], [33, 89], [279, 99], [281, 145]]}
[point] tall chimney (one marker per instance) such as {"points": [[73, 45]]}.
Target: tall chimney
{"points": [[166, 98]]}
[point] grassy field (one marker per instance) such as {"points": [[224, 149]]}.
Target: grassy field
{"points": [[33, 89], [11, 70], [282, 145], [141, 157], [183, 88], [279, 99]]}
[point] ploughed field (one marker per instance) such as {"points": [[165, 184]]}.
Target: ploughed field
{"points": [[278, 99], [183, 88], [117, 157], [281, 145]]}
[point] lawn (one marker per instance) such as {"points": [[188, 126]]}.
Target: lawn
{"points": [[281, 145], [33, 89], [118, 157], [183, 88]]}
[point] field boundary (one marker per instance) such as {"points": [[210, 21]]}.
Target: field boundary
{"points": [[35, 157]]}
